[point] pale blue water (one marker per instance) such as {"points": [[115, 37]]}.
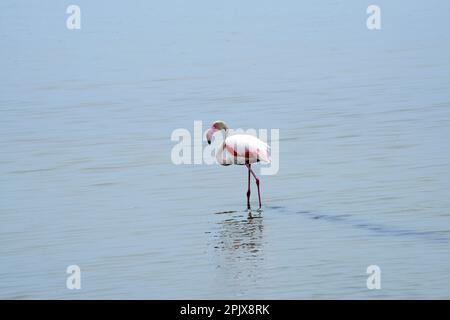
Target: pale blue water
{"points": [[85, 170]]}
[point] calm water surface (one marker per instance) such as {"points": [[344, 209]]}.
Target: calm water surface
{"points": [[86, 176]]}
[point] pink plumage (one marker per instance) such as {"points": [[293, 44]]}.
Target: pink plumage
{"points": [[247, 149]]}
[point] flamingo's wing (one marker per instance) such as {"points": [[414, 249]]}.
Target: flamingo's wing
{"points": [[247, 147]]}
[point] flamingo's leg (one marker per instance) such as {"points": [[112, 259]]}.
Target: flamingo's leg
{"points": [[257, 184], [248, 190]]}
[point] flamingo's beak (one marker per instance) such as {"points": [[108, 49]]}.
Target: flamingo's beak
{"points": [[209, 134]]}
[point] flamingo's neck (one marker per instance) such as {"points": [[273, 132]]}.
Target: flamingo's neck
{"points": [[221, 158]]}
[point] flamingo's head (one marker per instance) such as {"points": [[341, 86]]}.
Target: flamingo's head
{"points": [[216, 126]]}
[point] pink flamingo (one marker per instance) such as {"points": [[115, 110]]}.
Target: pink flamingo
{"points": [[242, 149]]}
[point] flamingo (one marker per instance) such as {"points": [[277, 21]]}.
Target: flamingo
{"points": [[241, 149]]}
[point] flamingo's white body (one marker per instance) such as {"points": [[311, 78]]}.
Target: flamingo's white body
{"points": [[240, 149]]}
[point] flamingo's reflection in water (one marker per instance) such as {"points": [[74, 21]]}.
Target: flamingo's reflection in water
{"points": [[239, 250]]}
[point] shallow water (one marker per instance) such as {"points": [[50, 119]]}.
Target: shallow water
{"points": [[86, 176]]}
